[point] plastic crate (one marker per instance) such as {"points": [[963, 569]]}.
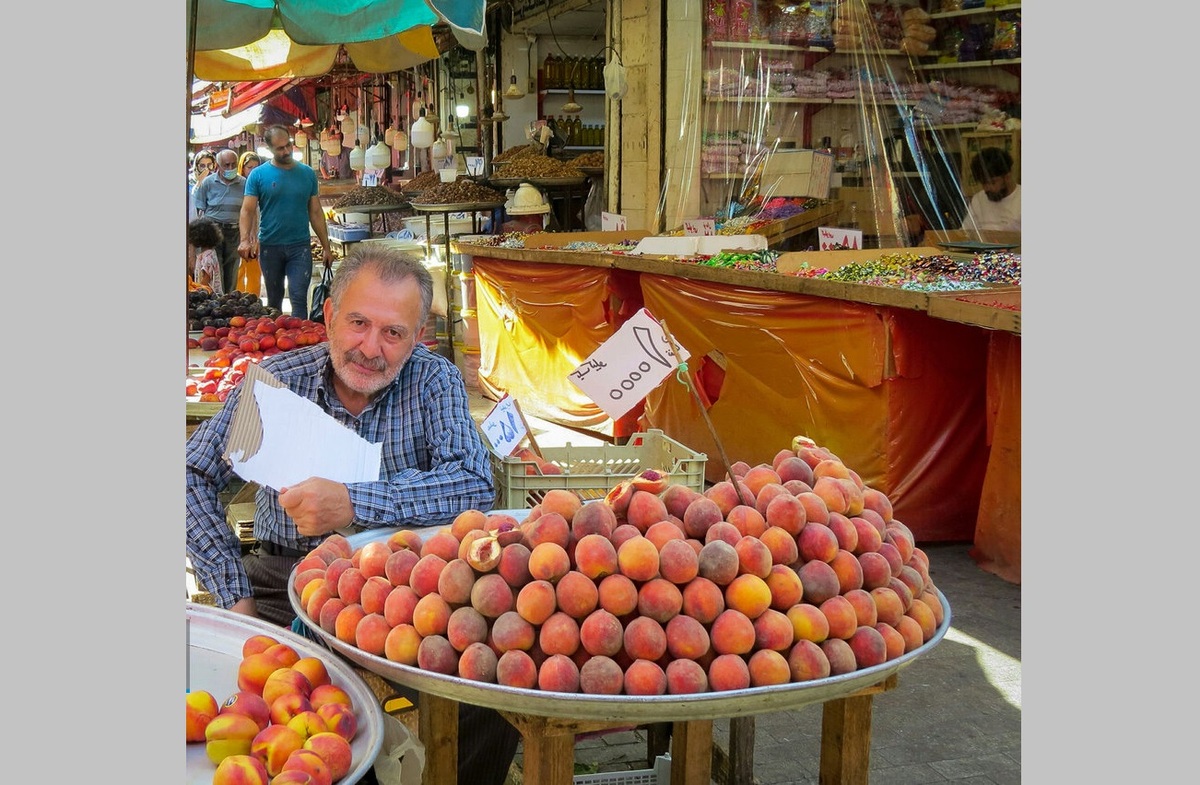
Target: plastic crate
{"points": [[593, 471], [659, 775], [349, 232]]}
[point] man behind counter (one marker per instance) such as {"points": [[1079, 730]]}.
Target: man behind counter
{"points": [[375, 377], [336, 167]]}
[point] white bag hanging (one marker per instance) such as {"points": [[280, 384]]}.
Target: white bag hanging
{"points": [[615, 83]]}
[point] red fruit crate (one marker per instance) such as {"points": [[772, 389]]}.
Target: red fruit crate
{"points": [[593, 471]]}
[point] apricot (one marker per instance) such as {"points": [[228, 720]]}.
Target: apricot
{"points": [[601, 675], [563, 501], [840, 655], [309, 762], [732, 632], [685, 677], [617, 594], [728, 672], [558, 673], [644, 638], [678, 562], [808, 622], [437, 655], [399, 565], [718, 561], [637, 558], [241, 769], [848, 569], [576, 594], [700, 514], [686, 638], [724, 531], [676, 499], [819, 580], [645, 677], [548, 561], [645, 509], [272, 746], [468, 520], [595, 556], [425, 573], [478, 663], [807, 661], [466, 626], [559, 634], [659, 599], [593, 518], [515, 668], [431, 616], [441, 543], [703, 600]]}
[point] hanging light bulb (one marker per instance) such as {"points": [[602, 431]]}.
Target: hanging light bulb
{"points": [[433, 118], [513, 90], [461, 110], [571, 106]]}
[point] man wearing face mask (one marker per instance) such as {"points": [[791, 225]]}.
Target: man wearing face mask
{"points": [[997, 205], [220, 198]]}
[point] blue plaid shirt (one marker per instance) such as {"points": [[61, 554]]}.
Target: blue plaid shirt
{"points": [[434, 463]]}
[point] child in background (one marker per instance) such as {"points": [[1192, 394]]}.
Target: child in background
{"points": [[204, 235]]}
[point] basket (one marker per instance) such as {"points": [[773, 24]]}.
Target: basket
{"points": [[593, 471], [659, 775]]}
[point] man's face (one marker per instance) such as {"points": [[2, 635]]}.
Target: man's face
{"points": [[281, 150], [374, 331], [226, 163], [998, 187]]}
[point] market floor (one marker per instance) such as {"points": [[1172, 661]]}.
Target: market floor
{"points": [[955, 715]]}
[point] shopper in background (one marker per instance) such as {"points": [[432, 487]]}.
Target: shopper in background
{"points": [[249, 273], [204, 237], [997, 204], [375, 377], [336, 167], [220, 198], [204, 164], [282, 201]]}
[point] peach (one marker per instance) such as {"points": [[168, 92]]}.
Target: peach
{"points": [[662, 532], [423, 578], [436, 654], [893, 641], [934, 601], [229, 733], [728, 672], [754, 558], [334, 750], [815, 508], [773, 630], [501, 522], [618, 595], [677, 497], [877, 501], [515, 668], [848, 569], [338, 544], [468, 520], [466, 626], [718, 562], [840, 655], [549, 527], [645, 639], [659, 599], [478, 663], [346, 622], [644, 677], [686, 638], [900, 540], [864, 606], [651, 480], [868, 646], [399, 565], [726, 496], [703, 600], [645, 509], [289, 705], [593, 518], [845, 530], [370, 634], [767, 494], [910, 629], [350, 584], [401, 644], [739, 468], [576, 594], [831, 468], [922, 614], [400, 603], [622, 533], [514, 565], [253, 671], [373, 558], [911, 578], [601, 634], [595, 556], [768, 667], [833, 493], [637, 558], [678, 562], [441, 543], [785, 587], [601, 675], [854, 494], [201, 707], [868, 536], [536, 601], [241, 770], [249, 704], [794, 468], [748, 594], [786, 512], [548, 561], [875, 519], [819, 580], [700, 514], [888, 605], [329, 613], [724, 531], [796, 487], [558, 673], [293, 777], [732, 632], [817, 542], [306, 723], [333, 572], [843, 620], [890, 552], [317, 600], [491, 596], [619, 496], [257, 643], [405, 539], [283, 681], [480, 550], [273, 745], [809, 623], [876, 571], [807, 661], [685, 677], [781, 545], [511, 631], [311, 763], [759, 476], [559, 634], [748, 521], [455, 582], [329, 693], [563, 501], [374, 594], [306, 579]]}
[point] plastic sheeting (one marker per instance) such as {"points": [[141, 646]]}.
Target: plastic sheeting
{"points": [[898, 396], [998, 528]]}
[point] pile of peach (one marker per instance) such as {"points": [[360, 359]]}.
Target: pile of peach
{"points": [[287, 724], [798, 572]]}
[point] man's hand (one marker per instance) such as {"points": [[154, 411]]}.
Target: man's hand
{"points": [[327, 256], [245, 606], [317, 506], [248, 248]]}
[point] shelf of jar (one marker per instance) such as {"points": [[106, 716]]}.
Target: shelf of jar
{"points": [[991, 9], [970, 64]]}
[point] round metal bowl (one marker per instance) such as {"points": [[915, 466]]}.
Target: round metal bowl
{"points": [[214, 639], [617, 708]]}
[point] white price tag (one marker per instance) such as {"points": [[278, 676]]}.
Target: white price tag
{"points": [[625, 368], [612, 222], [834, 238], [504, 427], [699, 226], [474, 165]]}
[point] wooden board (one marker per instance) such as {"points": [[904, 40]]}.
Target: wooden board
{"points": [[993, 309]]}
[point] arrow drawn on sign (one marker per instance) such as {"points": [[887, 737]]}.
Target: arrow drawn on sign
{"points": [[646, 340]]}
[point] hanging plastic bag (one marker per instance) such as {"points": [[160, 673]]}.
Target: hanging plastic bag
{"points": [[320, 294]]}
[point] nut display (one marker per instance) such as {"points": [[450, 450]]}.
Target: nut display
{"points": [[592, 160], [464, 191], [539, 167], [370, 194]]}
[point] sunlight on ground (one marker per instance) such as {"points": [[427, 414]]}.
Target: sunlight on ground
{"points": [[1003, 672]]}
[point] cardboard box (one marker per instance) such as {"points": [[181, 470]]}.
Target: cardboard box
{"points": [[797, 173]]}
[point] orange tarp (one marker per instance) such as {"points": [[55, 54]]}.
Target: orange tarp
{"points": [[998, 528]]}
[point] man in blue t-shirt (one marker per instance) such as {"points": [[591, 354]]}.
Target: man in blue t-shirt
{"points": [[281, 203]]}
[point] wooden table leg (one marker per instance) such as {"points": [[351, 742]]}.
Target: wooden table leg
{"points": [[439, 733], [691, 752], [548, 746], [741, 750], [846, 736]]}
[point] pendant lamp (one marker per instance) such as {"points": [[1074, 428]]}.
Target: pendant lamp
{"points": [[421, 133], [379, 156], [358, 158]]}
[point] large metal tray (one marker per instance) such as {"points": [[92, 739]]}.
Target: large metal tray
{"points": [[214, 650], [616, 708], [513, 182], [464, 207]]}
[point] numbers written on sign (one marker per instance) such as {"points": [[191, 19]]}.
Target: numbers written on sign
{"points": [[504, 426]]}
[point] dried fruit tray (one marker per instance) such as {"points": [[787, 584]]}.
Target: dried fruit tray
{"points": [[214, 640], [593, 471]]}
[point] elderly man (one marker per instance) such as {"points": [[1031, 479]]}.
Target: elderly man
{"points": [[220, 198]]}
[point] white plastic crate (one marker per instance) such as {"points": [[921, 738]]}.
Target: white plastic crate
{"points": [[659, 775]]}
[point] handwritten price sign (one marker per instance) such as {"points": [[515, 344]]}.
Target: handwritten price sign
{"points": [[705, 227], [625, 368], [612, 222], [834, 238], [504, 427]]}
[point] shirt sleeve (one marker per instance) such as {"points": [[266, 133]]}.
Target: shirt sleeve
{"points": [[212, 546]]}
